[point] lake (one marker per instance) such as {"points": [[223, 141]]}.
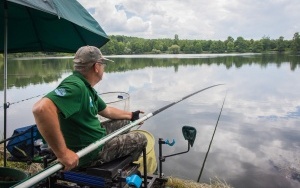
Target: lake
{"points": [[257, 140]]}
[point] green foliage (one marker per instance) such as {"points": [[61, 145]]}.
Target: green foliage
{"points": [[174, 49], [296, 43], [257, 47], [280, 44], [197, 47], [120, 45], [132, 45], [217, 47], [155, 51], [230, 47], [176, 39], [241, 45]]}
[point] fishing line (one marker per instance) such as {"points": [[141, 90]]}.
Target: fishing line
{"points": [[9, 104], [211, 140]]}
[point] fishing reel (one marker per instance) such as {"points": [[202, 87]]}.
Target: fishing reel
{"points": [[189, 134]]}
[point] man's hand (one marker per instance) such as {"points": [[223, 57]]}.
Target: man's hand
{"points": [[136, 115], [69, 159]]}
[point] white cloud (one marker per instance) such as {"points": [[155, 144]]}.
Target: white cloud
{"points": [[197, 19]]}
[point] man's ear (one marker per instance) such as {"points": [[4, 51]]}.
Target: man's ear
{"points": [[95, 68]]}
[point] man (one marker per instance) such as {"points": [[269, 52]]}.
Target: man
{"points": [[67, 117]]}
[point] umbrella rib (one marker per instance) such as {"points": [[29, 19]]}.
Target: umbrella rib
{"points": [[35, 29]]}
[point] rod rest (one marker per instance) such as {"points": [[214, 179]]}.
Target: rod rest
{"points": [[110, 169]]}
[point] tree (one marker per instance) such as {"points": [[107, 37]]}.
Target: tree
{"points": [[136, 46], [266, 43], [119, 48], [229, 39], [230, 47], [148, 45], [280, 44], [257, 47], [241, 45], [206, 45], [296, 43], [187, 47], [217, 47], [174, 49], [176, 39], [158, 45], [197, 47], [108, 48]]}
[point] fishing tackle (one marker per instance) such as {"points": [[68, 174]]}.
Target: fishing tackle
{"points": [[51, 170]]}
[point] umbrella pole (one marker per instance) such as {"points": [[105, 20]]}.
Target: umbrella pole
{"points": [[5, 79]]}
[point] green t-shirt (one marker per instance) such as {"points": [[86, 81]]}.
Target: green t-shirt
{"points": [[79, 104]]}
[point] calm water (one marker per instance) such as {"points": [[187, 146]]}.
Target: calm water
{"points": [[257, 140]]}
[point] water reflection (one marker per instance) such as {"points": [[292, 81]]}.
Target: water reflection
{"points": [[257, 140], [24, 71]]}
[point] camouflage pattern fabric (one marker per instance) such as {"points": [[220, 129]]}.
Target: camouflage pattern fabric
{"points": [[128, 143], [113, 125]]}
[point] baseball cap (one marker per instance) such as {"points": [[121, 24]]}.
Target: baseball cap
{"points": [[88, 54]]}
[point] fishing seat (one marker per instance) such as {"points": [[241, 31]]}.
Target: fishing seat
{"points": [[110, 169], [107, 174]]}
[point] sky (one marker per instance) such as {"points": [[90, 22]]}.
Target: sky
{"points": [[197, 19]]}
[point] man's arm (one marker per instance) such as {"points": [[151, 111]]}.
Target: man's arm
{"points": [[115, 113], [46, 117]]}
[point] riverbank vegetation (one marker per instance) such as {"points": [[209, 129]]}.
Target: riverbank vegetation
{"points": [[126, 45], [121, 45]]}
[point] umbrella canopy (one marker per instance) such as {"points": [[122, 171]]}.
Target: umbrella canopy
{"points": [[48, 25], [45, 25]]}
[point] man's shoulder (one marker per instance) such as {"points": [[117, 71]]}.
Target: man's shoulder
{"points": [[73, 79], [70, 84]]}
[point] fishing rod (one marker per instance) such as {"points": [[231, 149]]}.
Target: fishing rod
{"points": [[211, 140], [58, 166]]}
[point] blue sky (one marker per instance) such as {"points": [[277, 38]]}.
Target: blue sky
{"points": [[197, 19]]}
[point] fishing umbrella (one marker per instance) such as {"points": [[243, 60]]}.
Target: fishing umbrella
{"points": [[45, 25]]}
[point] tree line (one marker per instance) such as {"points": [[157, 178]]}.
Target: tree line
{"points": [[120, 45]]}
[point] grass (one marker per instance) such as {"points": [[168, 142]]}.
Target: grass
{"points": [[29, 168], [180, 183], [173, 182]]}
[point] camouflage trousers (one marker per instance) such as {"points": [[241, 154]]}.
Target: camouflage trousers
{"points": [[127, 143]]}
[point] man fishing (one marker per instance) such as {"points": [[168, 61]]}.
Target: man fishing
{"points": [[67, 116]]}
